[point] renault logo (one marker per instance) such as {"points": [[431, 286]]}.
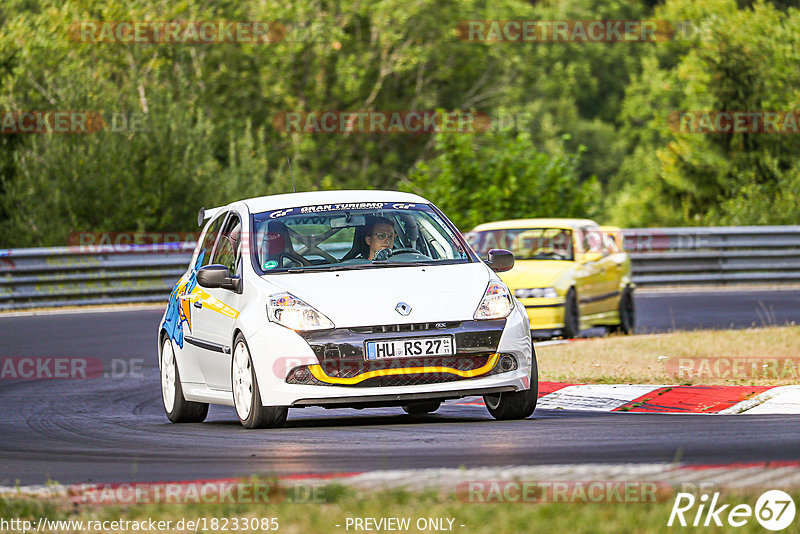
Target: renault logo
{"points": [[402, 308]]}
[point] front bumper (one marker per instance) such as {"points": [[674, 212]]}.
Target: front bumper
{"points": [[342, 361], [340, 373], [545, 314]]}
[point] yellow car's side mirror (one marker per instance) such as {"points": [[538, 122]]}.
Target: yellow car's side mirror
{"points": [[588, 257]]}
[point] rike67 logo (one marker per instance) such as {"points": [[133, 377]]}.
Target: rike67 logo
{"points": [[774, 510]]}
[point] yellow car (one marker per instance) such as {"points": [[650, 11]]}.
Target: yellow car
{"points": [[571, 274]]}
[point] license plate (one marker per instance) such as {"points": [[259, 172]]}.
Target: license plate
{"points": [[403, 348]]}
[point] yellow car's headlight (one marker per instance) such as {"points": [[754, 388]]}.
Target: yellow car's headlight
{"points": [[536, 293]]}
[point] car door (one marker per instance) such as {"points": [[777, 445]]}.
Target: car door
{"points": [[219, 309], [190, 300], [616, 264], [591, 271], [608, 283]]}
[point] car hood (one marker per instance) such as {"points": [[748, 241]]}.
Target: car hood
{"points": [[369, 296], [536, 273]]}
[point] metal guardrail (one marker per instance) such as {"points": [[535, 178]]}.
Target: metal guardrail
{"points": [[72, 276], [714, 255]]}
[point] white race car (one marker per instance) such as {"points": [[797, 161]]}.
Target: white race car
{"points": [[341, 299]]}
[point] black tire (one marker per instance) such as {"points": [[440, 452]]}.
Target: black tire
{"points": [[181, 411], [258, 416], [419, 408], [517, 404], [627, 314], [572, 326]]}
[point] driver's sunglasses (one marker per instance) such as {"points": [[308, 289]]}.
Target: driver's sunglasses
{"points": [[381, 236]]}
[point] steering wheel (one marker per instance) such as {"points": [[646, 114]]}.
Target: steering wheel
{"points": [[405, 250]]}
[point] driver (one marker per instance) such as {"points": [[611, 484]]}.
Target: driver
{"points": [[380, 235], [562, 242]]}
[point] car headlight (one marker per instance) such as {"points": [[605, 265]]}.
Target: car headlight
{"points": [[291, 312], [496, 302], [536, 293]]}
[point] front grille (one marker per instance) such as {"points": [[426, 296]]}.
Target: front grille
{"points": [[409, 327], [353, 369], [408, 380], [471, 337]]}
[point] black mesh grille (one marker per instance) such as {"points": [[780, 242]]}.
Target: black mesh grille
{"points": [[408, 380], [411, 327], [353, 368]]}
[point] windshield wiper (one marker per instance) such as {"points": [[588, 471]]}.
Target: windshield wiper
{"points": [[374, 265], [326, 268], [400, 263]]}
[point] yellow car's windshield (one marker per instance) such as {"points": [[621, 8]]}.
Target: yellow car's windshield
{"points": [[526, 243]]}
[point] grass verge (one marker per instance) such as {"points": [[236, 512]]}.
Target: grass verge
{"points": [[655, 358], [343, 503]]}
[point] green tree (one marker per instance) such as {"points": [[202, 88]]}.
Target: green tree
{"points": [[478, 178], [743, 60]]}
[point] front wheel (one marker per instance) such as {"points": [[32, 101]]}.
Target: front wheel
{"points": [[571, 316], [178, 409], [627, 314], [246, 394], [515, 404]]}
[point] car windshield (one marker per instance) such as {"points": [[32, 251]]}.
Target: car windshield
{"points": [[353, 236], [526, 243]]}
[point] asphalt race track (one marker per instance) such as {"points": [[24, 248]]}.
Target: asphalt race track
{"points": [[112, 428]]}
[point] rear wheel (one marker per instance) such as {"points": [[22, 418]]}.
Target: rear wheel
{"points": [[246, 394], [515, 404], [418, 408], [571, 319], [178, 409], [627, 314]]}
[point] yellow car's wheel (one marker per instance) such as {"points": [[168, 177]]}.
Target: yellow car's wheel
{"points": [[627, 314], [571, 319]]}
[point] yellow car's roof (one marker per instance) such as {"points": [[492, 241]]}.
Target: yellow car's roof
{"points": [[610, 229], [534, 223]]}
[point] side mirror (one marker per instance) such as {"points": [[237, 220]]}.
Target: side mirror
{"points": [[588, 257], [500, 260], [212, 276]]}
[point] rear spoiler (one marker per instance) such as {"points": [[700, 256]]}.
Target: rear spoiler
{"points": [[204, 214]]}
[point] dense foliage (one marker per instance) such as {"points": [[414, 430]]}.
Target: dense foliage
{"points": [[589, 133]]}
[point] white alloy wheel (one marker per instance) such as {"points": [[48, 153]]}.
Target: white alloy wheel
{"points": [[242, 381], [168, 375]]}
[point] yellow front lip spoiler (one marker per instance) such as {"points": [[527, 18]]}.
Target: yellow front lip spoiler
{"points": [[319, 374]]}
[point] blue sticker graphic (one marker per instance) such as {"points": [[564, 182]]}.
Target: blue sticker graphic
{"points": [[179, 310]]}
